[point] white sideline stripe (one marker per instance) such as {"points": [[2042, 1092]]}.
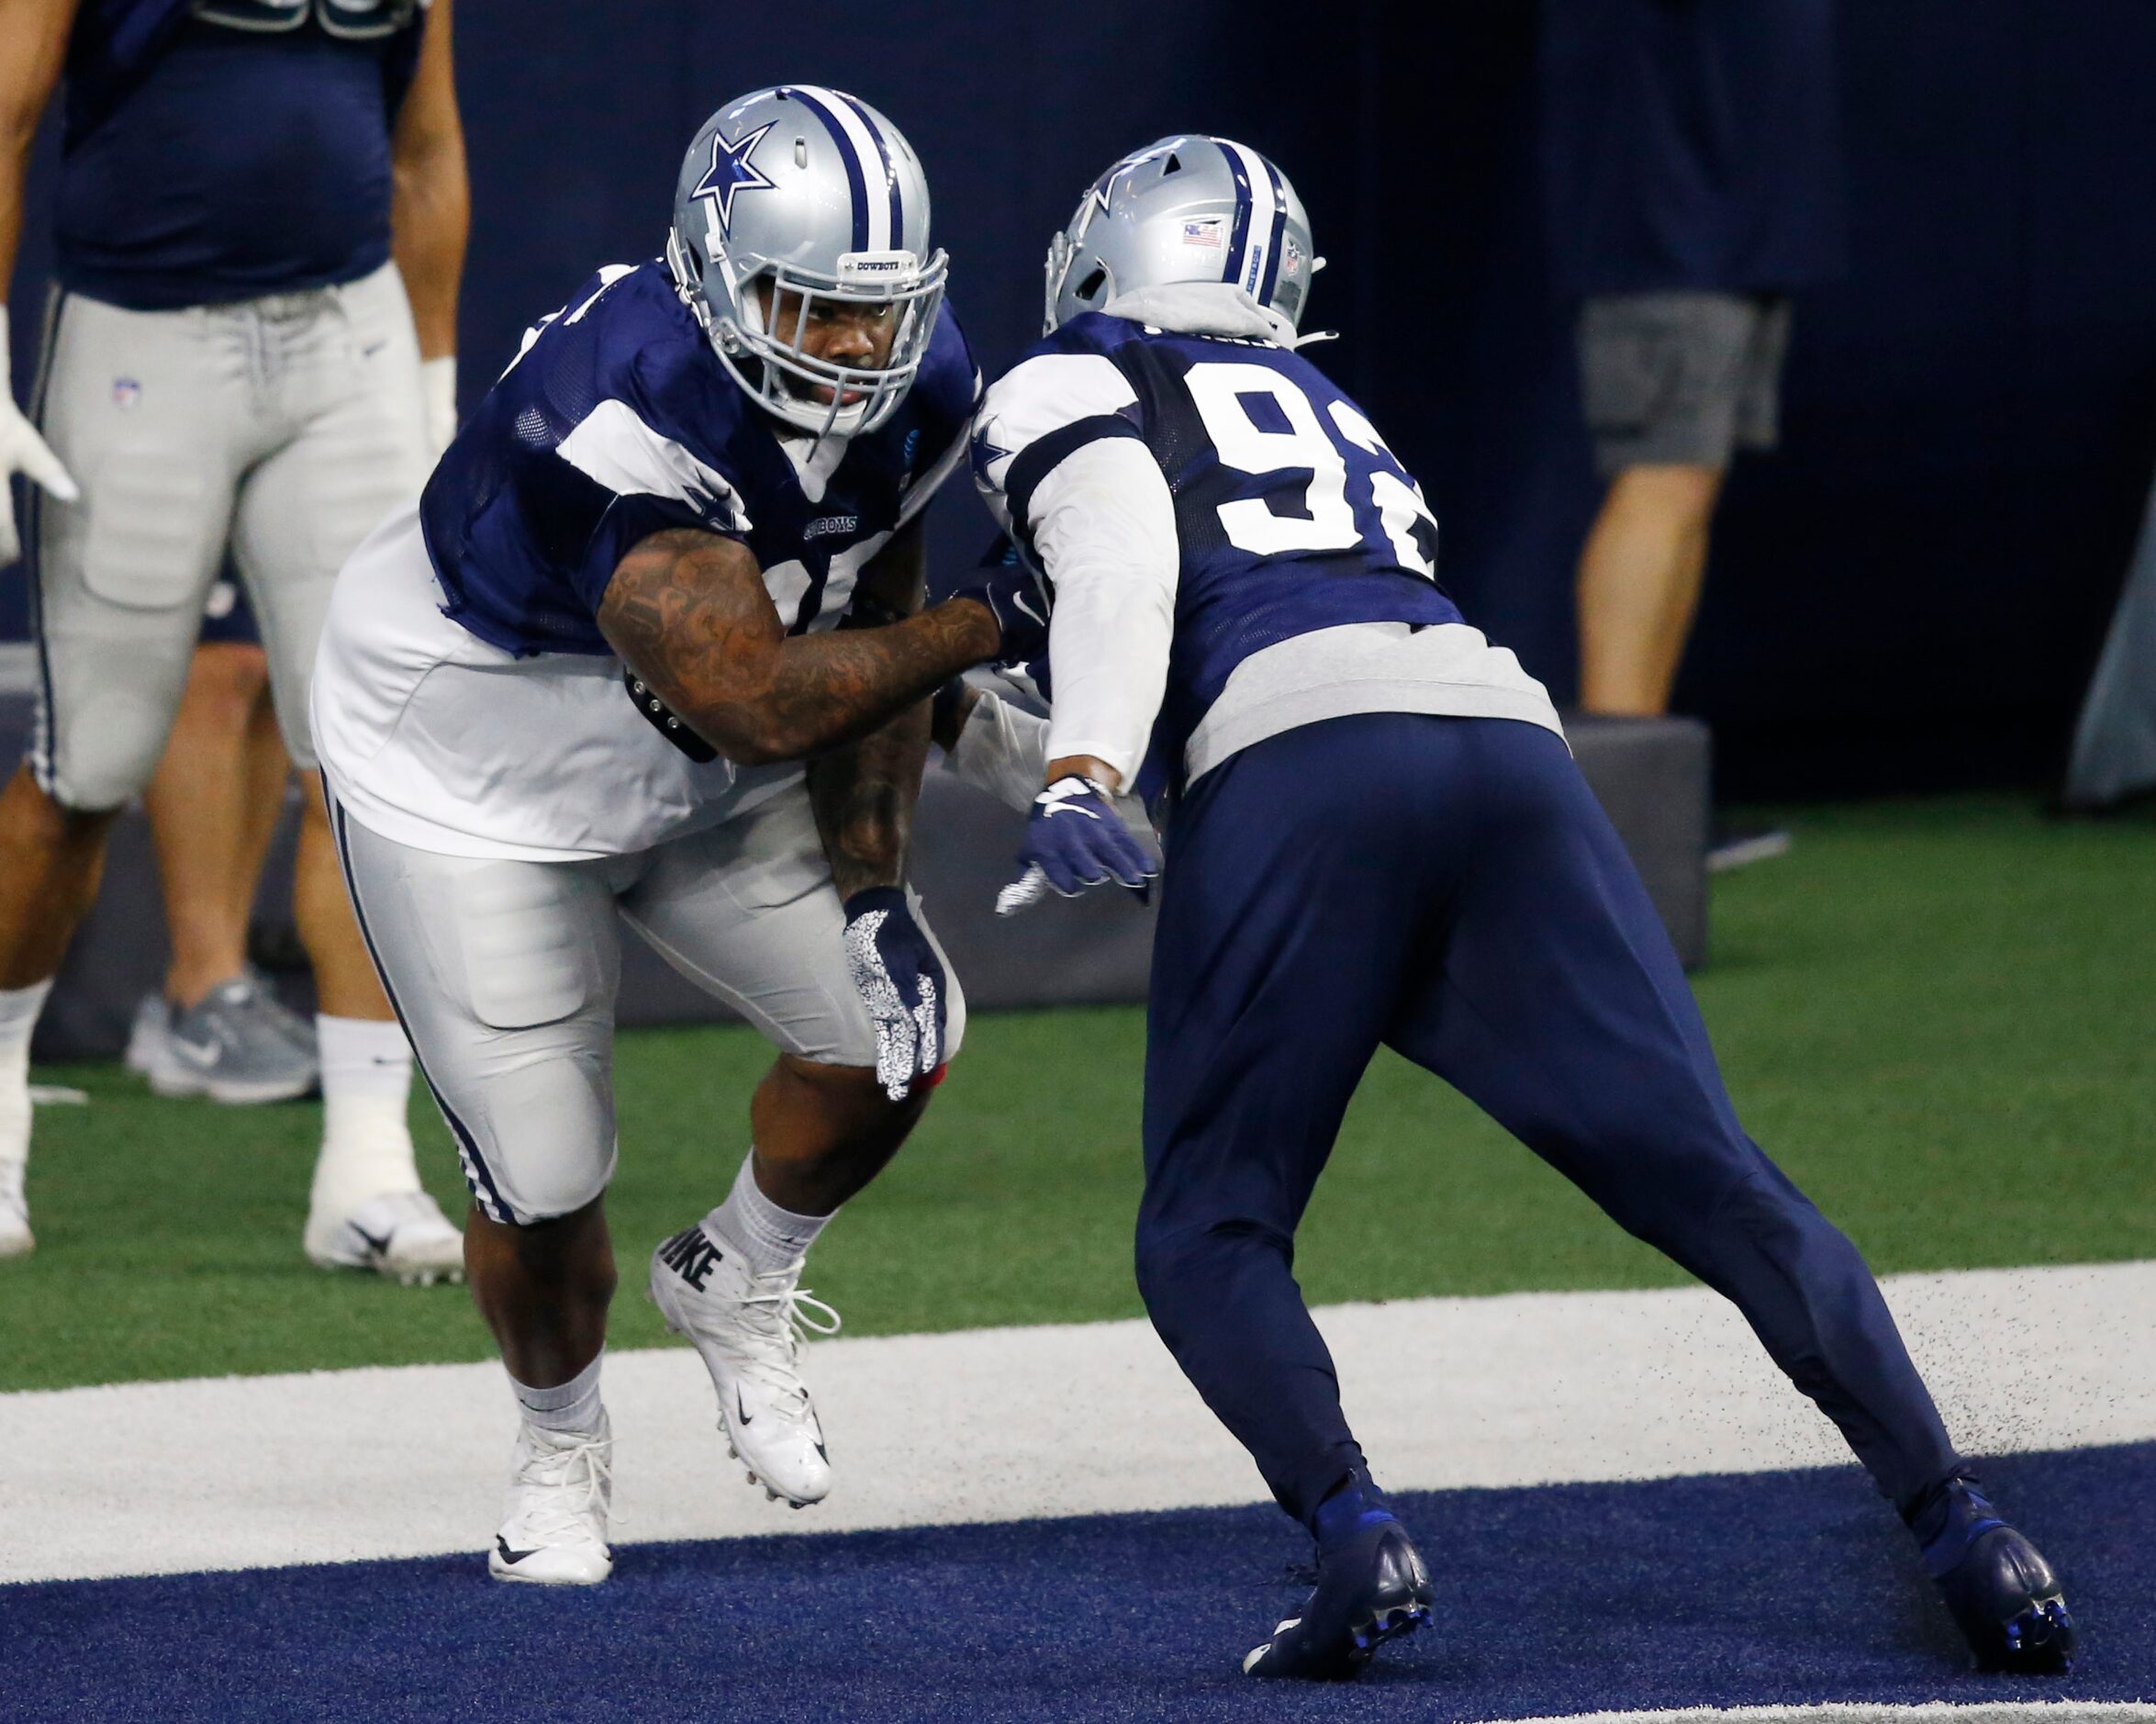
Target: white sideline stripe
{"points": [[1880, 1712], [1009, 1424]]}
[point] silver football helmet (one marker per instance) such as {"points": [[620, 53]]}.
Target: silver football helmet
{"points": [[1187, 208], [792, 203]]}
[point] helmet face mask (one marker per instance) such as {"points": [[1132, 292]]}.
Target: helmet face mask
{"points": [[1185, 208], [800, 209]]}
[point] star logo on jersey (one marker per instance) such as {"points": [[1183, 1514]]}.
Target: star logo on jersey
{"points": [[731, 171], [986, 452]]}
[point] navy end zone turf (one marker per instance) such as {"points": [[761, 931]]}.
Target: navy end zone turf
{"points": [[1795, 1586]]}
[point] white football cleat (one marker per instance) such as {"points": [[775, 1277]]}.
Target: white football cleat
{"points": [[15, 1239], [749, 1328], [553, 1532], [403, 1236]]}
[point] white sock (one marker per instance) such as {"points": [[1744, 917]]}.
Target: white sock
{"points": [[573, 1406], [366, 1096], [19, 1016], [768, 1237]]}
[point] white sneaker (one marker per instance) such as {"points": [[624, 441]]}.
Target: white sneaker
{"points": [[553, 1532], [403, 1236], [749, 1328], [146, 1035], [15, 1239]]}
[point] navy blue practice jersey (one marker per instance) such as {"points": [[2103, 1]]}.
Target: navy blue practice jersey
{"points": [[1291, 515], [223, 149], [617, 421]]}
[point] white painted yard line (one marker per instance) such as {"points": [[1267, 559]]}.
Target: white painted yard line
{"points": [[1005, 1424]]}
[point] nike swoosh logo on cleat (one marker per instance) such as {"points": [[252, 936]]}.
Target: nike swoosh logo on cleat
{"points": [[197, 1053], [380, 1249], [739, 1408], [509, 1556]]}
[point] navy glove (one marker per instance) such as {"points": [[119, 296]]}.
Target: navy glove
{"points": [[902, 983], [1020, 599], [1073, 840]]}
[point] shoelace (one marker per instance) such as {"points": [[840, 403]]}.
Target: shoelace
{"points": [[786, 1316], [586, 1477]]}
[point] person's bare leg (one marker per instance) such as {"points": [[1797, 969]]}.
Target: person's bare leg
{"points": [[824, 1132], [206, 808], [1640, 574], [345, 983], [543, 1289], [51, 859], [269, 777]]}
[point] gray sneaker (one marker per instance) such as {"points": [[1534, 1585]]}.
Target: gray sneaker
{"points": [[297, 1030], [231, 1047]]}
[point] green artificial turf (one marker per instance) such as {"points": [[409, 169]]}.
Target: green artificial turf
{"points": [[1940, 1017]]}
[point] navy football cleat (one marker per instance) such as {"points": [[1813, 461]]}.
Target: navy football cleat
{"points": [[2003, 1594], [1369, 1590]]}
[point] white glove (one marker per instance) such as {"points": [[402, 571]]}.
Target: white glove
{"points": [[437, 396], [23, 450]]}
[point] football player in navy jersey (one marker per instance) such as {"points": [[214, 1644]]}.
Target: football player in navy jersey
{"points": [[261, 223], [650, 648], [1374, 835]]}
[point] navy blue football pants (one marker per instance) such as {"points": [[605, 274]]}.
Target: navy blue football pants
{"points": [[1451, 889]]}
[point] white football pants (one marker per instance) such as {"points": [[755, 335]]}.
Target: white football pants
{"points": [[504, 973], [283, 428]]}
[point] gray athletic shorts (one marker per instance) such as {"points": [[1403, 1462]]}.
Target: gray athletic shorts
{"points": [[1681, 378], [504, 974], [283, 428]]}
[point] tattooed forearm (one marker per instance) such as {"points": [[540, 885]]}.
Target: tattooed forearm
{"points": [[687, 612], [864, 798], [864, 794]]}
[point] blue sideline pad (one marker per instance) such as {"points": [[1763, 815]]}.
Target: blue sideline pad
{"points": [[1750, 1589]]}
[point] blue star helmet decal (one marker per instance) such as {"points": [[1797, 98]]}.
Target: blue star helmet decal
{"points": [[731, 171]]}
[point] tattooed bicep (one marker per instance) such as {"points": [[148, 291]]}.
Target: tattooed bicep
{"points": [[681, 605]]}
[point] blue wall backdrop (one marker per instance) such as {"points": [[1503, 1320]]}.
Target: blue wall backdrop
{"points": [[1909, 595]]}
